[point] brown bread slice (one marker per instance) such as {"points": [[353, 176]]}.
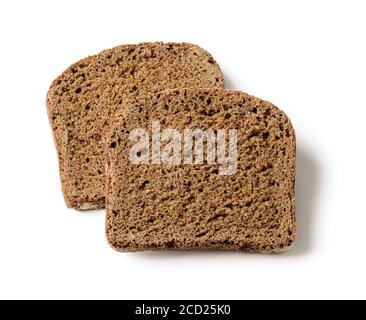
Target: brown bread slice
{"points": [[152, 206], [82, 101]]}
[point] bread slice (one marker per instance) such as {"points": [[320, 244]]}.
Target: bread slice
{"points": [[82, 101], [196, 206]]}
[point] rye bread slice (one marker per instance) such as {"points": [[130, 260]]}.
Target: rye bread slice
{"points": [[180, 206], [82, 101]]}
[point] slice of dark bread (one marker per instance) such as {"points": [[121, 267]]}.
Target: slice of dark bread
{"points": [[82, 101], [181, 206]]}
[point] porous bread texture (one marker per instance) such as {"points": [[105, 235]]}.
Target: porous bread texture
{"points": [[184, 207], [82, 102]]}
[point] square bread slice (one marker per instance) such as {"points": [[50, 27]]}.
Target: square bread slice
{"points": [[183, 204], [82, 101]]}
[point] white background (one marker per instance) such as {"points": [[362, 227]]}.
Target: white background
{"points": [[307, 57]]}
